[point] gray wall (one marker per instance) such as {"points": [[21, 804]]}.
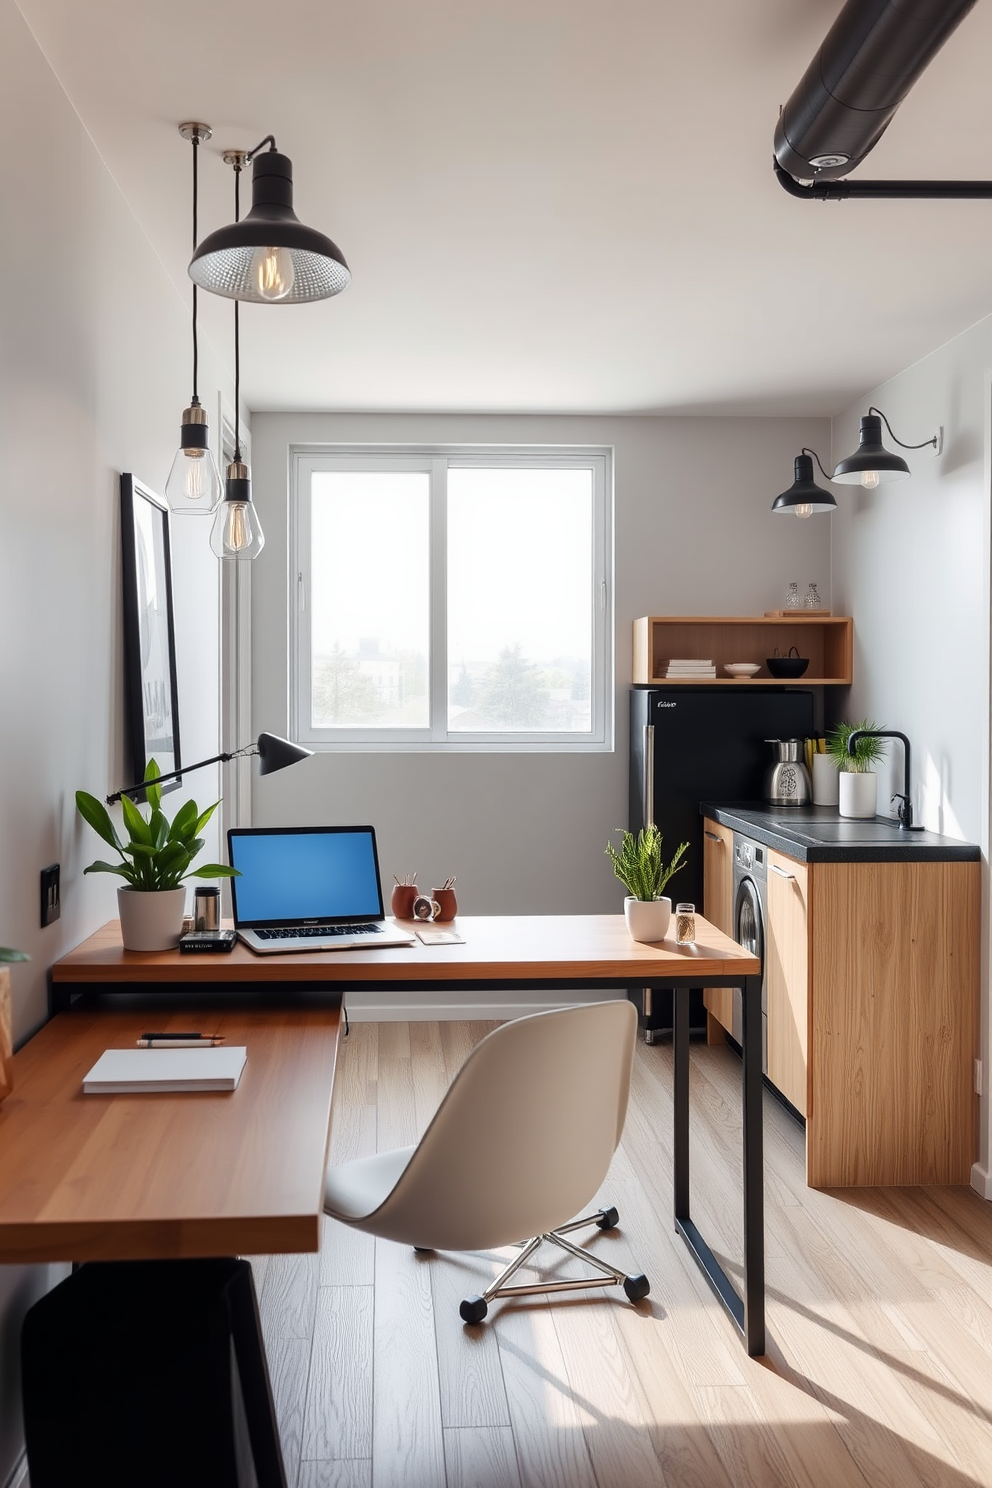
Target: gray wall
{"points": [[525, 833], [911, 563], [94, 374]]}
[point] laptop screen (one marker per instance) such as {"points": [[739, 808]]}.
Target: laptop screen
{"points": [[304, 875]]}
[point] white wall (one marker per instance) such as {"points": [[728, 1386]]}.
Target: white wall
{"points": [[94, 374], [525, 833], [911, 563]]}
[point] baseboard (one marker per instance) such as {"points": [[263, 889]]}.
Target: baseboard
{"points": [[18, 1473], [435, 1004], [981, 1181]]}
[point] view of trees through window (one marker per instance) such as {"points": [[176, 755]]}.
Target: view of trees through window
{"points": [[511, 550]]}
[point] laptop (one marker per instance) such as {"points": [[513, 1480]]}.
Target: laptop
{"points": [[309, 889]]}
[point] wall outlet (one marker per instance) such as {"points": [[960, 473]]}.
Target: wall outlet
{"points": [[978, 1077], [51, 903]]}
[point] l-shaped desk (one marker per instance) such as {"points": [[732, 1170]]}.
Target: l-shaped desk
{"points": [[247, 1198]]}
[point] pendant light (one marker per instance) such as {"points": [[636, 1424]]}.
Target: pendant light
{"points": [[270, 257], [872, 464], [237, 533], [194, 481], [803, 497]]}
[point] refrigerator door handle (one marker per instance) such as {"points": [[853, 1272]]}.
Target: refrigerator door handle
{"points": [[649, 774]]}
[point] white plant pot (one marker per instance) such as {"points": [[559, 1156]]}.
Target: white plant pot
{"points": [[151, 920], [826, 781], [858, 793], [647, 919]]}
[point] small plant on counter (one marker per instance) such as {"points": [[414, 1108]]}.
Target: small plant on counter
{"points": [[639, 865], [867, 752], [158, 853], [6, 954]]}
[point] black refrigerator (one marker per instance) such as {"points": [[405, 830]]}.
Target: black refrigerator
{"points": [[689, 745]]}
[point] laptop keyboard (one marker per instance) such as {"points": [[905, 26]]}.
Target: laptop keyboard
{"points": [[321, 932]]}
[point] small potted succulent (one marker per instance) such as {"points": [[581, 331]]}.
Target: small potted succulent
{"points": [[639, 865], [858, 783], [7, 1019], [155, 862]]}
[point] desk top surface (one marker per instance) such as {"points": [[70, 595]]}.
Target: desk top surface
{"points": [[523, 948], [121, 1177]]}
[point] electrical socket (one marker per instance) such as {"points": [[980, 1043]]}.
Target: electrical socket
{"points": [[978, 1077], [51, 903]]}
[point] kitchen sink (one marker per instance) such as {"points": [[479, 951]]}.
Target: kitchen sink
{"points": [[842, 831]]}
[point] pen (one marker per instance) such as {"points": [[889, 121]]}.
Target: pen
{"points": [[179, 1040]]}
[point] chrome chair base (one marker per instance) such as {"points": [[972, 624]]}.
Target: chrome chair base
{"points": [[474, 1309]]}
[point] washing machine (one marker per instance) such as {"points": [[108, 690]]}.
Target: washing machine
{"points": [[750, 904]]}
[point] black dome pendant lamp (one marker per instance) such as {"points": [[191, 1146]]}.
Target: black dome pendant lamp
{"points": [[872, 464], [804, 497], [270, 257]]}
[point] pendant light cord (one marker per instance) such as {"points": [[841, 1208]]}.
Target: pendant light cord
{"points": [[196, 346], [927, 442], [819, 462], [237, 329]]}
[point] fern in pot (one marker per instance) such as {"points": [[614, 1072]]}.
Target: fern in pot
{"points": [[154, 862], [640, 866], [858, 783]]}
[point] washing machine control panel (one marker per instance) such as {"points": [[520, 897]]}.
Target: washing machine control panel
{"points": [[749, 855]]}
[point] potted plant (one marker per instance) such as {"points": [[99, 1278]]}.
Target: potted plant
{"points": [[857, 780], [7, 1019], [640, 867], [155, 862]]}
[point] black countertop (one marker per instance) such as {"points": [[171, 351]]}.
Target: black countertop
{"points": [[818, 834]]}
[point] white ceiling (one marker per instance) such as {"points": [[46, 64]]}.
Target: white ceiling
{"points": [[547, 205]]}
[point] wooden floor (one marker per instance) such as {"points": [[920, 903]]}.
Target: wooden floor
{"points": [[879, 1370]]}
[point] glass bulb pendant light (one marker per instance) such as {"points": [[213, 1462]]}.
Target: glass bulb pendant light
{"points": [[804, 497], [237, 534], [871, 464], [194, 483]]}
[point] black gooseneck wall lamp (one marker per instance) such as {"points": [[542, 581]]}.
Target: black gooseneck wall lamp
{"points": [[872, 464], [804, 497], [274, 753]]}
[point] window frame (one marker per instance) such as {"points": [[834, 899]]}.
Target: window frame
{"points": [[437, 460]]}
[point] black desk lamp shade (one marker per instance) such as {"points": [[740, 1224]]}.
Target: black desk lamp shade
{"points": [[274, 753]]}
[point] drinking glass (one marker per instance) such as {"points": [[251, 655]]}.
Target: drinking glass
{"points": [[685, 924]]}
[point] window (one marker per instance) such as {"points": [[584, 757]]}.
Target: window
{"points": [[452, 599]]}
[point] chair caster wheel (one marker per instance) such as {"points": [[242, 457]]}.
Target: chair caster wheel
{"points": [[636, 1287], [473, 1309], [608, 1219]]}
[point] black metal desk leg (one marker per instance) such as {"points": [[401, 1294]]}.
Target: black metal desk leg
{"points": [[754, 1195], [680, 1124]]}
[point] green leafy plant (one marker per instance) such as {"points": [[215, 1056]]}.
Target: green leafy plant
{"points": [[867, 752], [6, 954], [639, 864], [158, 853]]}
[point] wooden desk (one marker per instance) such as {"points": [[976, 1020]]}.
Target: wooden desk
{"points": [[560, 952]]}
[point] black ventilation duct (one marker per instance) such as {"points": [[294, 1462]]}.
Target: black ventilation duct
{"points": [[871, 57]]}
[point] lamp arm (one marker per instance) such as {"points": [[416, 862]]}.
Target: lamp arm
{"points": [[217, 759], [819, 462], [898, 441]]}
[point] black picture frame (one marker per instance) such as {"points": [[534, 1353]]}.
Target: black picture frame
{"points": [[151, 686]]}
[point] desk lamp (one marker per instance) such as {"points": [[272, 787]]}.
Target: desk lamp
{"points": [[273, 753]]}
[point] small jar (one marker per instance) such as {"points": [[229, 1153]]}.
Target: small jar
{"points": [[685, 924], [812, 601], [792, 600]]}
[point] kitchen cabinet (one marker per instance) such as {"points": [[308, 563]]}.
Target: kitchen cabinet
{"points": [[827, 640], [718, 907], [871, 967]]}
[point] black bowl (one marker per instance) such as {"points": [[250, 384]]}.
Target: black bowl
{"points": [[787, 666]]}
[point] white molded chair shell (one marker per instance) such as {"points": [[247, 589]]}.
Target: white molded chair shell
{"points": [[520, 1143]]}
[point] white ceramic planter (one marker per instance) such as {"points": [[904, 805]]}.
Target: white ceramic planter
{"points": [[858, 793], [826, 788], [647, 919], [151, 921]]}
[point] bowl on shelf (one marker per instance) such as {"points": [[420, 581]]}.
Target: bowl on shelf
{"points": [[787, 666], [742, 669]]}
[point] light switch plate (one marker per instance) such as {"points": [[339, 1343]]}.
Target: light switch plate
{"points": [[51, 903]]}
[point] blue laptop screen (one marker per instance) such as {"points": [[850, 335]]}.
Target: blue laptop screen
{"points": [[324, 874]]}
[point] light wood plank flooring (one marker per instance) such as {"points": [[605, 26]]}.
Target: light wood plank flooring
{"points": [[879, 1370]]}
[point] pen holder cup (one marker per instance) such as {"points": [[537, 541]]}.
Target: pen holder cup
{"points": [[447, 904], [401, 901]]}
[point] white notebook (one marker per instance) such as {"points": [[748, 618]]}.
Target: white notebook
{"points": [[140, 1071]]}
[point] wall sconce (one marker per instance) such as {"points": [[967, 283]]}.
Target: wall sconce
{"points": [[872, 463], [270, 257], [194, 481], [803, 497]]}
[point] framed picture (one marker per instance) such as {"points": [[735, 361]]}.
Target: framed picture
{"points": [[151, 684]]}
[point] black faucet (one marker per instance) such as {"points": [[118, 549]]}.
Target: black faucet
{"points": [[905, 807]]}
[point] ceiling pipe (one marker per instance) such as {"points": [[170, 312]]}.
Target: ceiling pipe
{"points": [[870, 59], [818, 190]]}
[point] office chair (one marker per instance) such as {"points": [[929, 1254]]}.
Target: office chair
{"points": [[522, 1139]]}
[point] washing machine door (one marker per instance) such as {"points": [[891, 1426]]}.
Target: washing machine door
{"points": [[749, 931]]}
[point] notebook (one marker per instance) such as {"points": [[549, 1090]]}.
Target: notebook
{"points": [[309, 889], [147, 1071]]}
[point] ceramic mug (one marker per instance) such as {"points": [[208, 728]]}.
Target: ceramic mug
{"points": [[447, 905], [401, 901]]}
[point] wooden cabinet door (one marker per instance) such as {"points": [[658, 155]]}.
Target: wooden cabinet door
{"points": [[787, 976], [718, 907]]}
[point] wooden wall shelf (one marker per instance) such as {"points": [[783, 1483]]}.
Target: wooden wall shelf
{"points": [[828, 641]]}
